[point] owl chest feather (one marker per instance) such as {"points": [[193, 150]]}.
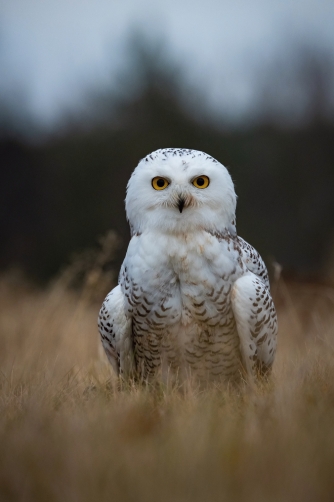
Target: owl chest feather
{"points": [[178, 295]]}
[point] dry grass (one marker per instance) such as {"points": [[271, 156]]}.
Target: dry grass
{"points": [[68, 433]]}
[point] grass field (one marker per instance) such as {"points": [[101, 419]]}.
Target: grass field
{"points": [[70, 433]]}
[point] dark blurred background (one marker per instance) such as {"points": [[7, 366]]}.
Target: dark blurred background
{"points": [[88, 89]]}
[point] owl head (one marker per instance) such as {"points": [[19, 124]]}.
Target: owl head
{"points": [[178, 190]]}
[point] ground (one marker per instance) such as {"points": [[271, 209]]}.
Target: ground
{"points": [[70, 432]]}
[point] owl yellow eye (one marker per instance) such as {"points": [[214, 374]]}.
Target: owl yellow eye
{"points": [[159, 183], [201, 181]]}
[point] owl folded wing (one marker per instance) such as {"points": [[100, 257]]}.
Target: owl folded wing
{"points": [[115, 328], [256, 322], [253, 261]]}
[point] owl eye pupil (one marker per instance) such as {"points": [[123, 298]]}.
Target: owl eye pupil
{"points": [[160, 182], [200, 182]]}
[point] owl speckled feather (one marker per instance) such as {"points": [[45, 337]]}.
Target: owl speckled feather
{"points": [[193, 298]]}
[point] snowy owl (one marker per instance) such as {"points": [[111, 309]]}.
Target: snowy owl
{"points": [[193, 297]]}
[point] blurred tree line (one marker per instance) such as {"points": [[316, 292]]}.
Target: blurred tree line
{"points": [[58, 195]]}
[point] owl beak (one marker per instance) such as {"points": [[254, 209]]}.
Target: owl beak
{"points": [[181, 202]]}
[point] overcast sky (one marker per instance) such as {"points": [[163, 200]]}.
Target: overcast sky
{"points": [[53, 51]]}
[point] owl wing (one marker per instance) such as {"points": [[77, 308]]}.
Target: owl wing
{"points": [[253, 261], [256, 321], [115, 328]]}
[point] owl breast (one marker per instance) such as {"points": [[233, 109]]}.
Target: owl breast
{"points": [[178, 296]]}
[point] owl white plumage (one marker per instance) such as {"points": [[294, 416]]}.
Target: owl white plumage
{"points": [[193, 298]]}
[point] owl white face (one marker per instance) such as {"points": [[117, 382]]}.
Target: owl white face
{"points": [[178, 190]]}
